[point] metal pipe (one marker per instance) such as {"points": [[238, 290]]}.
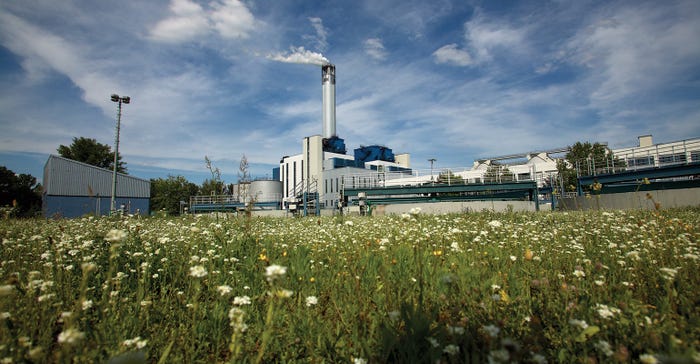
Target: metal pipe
{"points": [[119, 100]]}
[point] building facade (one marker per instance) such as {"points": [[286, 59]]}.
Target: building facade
{"points": [[74, 189]]}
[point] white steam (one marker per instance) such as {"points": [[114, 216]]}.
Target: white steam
{"points": [[300, 55]]}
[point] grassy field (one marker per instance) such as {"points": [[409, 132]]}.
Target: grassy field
{"points": [[589, 287]]}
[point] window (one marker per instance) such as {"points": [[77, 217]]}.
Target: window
{"points": [[695, 156], [641, 161], [672, 158]]}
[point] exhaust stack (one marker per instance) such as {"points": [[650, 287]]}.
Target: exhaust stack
{"points": [[328, 84]]}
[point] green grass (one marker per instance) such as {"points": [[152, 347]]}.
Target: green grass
{"points": [[505, 287]]}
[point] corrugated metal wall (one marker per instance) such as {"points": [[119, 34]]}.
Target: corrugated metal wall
{"points": [[77, 206], [65, 177]]}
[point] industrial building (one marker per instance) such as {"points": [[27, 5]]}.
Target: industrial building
{"points": [[324, 176], [316, 178], [74, 189]]}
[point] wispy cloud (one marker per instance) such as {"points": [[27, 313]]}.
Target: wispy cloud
{"points": [[375, 48], [231, 19], [452, 54], [320, 38]]}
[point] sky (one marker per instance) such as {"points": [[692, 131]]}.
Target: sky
{"points": [[451, 80]]}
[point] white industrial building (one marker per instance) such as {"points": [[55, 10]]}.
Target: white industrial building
{"points": [[317, 177]]}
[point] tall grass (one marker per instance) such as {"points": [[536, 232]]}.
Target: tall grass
{"points": [[500, 287]]}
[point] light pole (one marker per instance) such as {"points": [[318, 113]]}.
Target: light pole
{"points": [[120, 100], [431, 160]]}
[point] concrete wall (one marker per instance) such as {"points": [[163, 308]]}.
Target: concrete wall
{"points": [[450, 207], [684, 197]]}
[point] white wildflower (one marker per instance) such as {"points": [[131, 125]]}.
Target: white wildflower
{"points": [[433, 342], [236, 315], [241, 300], [115, 236], [273, 272], [606, 312], [311, 301], [668, 273], [648, 359], [87, 304], [70, 336], [578, 323], [198, 271], [491, 330], [451, 349], [224, 290], [495, 224], [604, 347]]}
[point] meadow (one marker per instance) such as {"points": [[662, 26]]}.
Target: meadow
{"points": [[576, 287]]}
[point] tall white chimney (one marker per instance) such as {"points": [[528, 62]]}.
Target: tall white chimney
{"points": [[328, 83]]}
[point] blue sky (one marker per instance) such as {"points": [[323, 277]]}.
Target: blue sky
{"points": [[451, 80]]}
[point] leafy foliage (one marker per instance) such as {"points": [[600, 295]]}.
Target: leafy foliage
{"points": [[585, 159], [89, 151], [167, 193], [450, 178], [498, 173], [593, 287], [21, 192]]}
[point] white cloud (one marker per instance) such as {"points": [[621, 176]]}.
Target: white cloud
{"points": [[45, 51], [229, 18], [636, 50], [375, 49], [451, 54], [232, 19], [188, 21], [485, 37], [321, 36]]}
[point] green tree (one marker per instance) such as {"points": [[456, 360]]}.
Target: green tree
{"points": [[450, 178], [19, 193], [89, 151], [212, 187], [497, 173], [167, 193], [585, 159]]}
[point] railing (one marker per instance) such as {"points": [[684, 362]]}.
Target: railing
{"points": [[499, 174], [632, 159], [233, 199]]}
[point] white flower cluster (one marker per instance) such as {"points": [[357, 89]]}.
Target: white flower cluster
{"points": [[115, 236], [274, 272], [236, 315], [198, 271], [137, 342], [70, 336]]}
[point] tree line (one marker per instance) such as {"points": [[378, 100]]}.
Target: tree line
{"points": [[20, 194]]}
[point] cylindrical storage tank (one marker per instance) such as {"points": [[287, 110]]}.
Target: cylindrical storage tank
{"points": [[265, 191]]}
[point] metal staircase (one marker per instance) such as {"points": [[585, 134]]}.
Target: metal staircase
{"points": [[306, 197]]}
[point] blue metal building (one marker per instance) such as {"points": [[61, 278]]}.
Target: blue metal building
{"points": [[73, 189]]}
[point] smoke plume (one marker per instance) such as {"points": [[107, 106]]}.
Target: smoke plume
{"points": [[300, 55]]}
